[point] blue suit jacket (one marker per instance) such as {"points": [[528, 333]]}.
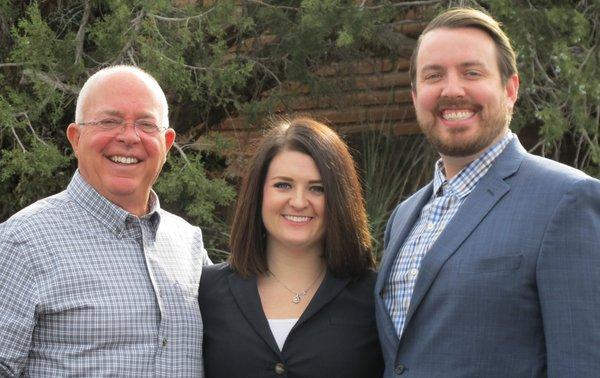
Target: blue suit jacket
{"points": [[511, 288]]}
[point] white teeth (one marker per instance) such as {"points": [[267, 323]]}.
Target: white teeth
{"points": [[124, 159], [457, 116], [295, 218]]}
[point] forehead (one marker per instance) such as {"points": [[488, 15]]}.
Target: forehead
{"points": [[447, 47], [123, 94], [293, 164]]}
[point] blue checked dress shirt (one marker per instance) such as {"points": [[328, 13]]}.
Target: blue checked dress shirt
{"points": [[89, 290], [447, 197]]}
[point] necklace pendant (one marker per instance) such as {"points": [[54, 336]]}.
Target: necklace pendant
{"points": [[296, 298]]}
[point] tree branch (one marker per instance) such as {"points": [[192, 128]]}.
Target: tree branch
{"points": [[24, 115], [405, 4], [17, 138], [135, 25], [80, 38], [12, 64], [180, 19], [180, 150], [259, 2], [45, 78]]}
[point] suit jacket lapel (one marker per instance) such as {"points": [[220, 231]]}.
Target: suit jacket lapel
{"points": [[245, 293], [490, 189], [398, 233], [329, 289]]}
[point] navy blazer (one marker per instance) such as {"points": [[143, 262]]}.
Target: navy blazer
{"points": [[511, 288], [336, 336]]}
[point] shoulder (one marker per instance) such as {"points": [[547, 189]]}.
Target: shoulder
{"points": [[364, 285], [176, 221], [42, 215], [551, 179], [212, 274], [547, 169]]}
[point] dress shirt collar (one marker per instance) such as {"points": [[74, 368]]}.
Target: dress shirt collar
{"points": [[113, 217], [463, 183]]}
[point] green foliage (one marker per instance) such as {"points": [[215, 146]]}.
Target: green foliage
{"points": [[28, 175], [186, 190], [558, 46], [222, 59], [212, 61], [392, 168]]}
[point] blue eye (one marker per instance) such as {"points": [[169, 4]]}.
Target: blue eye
{"points": [[472, 73], [282, 185], [433, 76]]}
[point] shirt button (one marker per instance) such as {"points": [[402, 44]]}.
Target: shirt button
{"points": [[164, 342], [414, 272], [279, 368], [399, 369], [430, 226]]}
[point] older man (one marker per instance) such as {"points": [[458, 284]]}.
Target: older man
{"points": [[98, 280], [492, 269]]}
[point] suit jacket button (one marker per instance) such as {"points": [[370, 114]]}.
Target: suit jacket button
{"points": [[279, 368], [400, 369]]}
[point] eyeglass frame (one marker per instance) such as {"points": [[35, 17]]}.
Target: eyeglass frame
{"points": [[122, 123]]}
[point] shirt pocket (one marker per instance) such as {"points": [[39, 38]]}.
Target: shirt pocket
{"points": [[491, 265]]}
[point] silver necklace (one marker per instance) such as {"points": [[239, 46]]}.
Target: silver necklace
{"points": [[297, 295]]}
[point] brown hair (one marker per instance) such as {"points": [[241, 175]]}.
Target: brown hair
{"points": [[347, 247], [471, 18]]}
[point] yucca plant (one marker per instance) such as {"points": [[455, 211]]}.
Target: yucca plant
{"points": [[392, 168]]}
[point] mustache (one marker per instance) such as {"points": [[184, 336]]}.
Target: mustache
{"points": [[454, 103]]}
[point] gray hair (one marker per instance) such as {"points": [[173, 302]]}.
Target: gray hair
{"points": [[108, 71]]}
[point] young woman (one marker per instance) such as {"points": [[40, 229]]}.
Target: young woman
{"points": [[296, 296]]}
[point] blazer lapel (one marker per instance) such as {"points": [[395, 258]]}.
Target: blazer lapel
{"points": [[490, 189], [245, 293], [398, 233], [329, 289]]}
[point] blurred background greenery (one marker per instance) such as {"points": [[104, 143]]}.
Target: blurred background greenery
{"points": [[217, 59]]}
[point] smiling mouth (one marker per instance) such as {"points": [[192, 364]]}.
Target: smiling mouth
{"points": [[124, 160], [456, 115], [297, 218]]}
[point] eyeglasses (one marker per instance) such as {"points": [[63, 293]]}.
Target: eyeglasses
{"points": [[147, 127]]}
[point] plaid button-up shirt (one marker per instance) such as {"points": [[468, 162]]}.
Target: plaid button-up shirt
{"points": [[87, 289], [448, 196]]}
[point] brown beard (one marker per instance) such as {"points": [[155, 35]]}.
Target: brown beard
{"points": [[492, 125]]}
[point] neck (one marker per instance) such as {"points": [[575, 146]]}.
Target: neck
{"points": [[134, 206], [295, 263], [454, 164]]}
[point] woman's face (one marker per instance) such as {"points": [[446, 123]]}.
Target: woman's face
{"points": [[293, 203]]}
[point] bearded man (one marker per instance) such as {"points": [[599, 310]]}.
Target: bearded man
{"points": [[491, 270]]}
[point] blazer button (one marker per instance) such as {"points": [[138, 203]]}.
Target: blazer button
{"points": [[279, 368], [399, 369]]}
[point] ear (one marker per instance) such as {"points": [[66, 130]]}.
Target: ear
{"points": [[413, 94], [169, 138], [73, 134], [512, 90]]}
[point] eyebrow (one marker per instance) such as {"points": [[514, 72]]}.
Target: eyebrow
{"points": [[285, 178], [116, 113], [438, 67]]}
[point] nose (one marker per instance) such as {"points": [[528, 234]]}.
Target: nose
{"points": [[128, 133], [453, 86], [298, 199]]}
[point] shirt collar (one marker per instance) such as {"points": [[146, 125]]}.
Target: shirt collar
{"points": [[463, 183], [113, 217]]}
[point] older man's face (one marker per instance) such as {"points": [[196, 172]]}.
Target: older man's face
{"points": [[121, 164], [461, 103]]}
